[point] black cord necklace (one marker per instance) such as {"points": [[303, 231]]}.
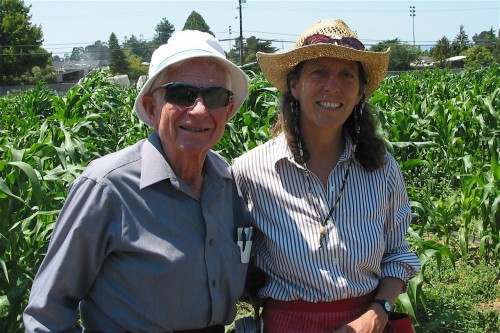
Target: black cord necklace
{"points": [[323, 223], [358, 112]]}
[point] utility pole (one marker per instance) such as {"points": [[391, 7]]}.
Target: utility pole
{"points": [[412, 14], [229, 39], [241, 34]]}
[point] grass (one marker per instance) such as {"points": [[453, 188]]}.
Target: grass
{"points": [[462, 296]]}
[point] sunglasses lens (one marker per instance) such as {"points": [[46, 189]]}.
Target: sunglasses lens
{"points": [[216, 97], [184, 94]]}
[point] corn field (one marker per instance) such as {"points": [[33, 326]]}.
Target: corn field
{"points": [[443, 128]]}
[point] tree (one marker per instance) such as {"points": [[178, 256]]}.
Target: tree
{"points": [[489, 41], [485, 38], [251, 46], [136, 65], [118, 63], [47, 74], [460, 43], [77, 54], [96, 51], [20, 42], [163, 32], [402, 55], [196, 22], [477, 56], [139, 48], [441, 52]]}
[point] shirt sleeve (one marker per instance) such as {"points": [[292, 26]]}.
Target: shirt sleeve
{"points": [[71, 265], [398, 261]]}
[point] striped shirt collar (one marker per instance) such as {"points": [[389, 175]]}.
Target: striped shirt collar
{"points": [[283, 152]]}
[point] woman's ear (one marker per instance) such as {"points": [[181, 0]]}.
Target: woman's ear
{"points": [[293, 88]]}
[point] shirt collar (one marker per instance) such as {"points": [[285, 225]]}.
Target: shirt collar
{"points": [[283, 151], [156, 167]]}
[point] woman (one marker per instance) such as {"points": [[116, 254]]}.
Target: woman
{"points": [[328, 199]]}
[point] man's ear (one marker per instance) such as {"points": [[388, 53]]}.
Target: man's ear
{"points": [[148, 103], [230, 108]]}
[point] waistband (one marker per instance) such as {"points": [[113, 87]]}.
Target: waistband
{"points": [[211, 329], [335, 306]]}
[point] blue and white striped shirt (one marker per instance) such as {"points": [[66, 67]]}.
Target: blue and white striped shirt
{"points": [[364, 243]]}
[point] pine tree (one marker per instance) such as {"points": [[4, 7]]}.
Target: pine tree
{"points": [[117, 61], [196, 22], [460, 43], [163, 32], [251, 46]]}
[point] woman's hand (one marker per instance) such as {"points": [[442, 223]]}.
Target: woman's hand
{"points": [[372, 321]]}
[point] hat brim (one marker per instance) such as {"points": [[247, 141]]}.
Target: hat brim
{"points": [[276, 67], [239, 81]]}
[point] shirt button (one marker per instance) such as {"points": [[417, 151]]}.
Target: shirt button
{"points": [[213, 283], [211, 242]]}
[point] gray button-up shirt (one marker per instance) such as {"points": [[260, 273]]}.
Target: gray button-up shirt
{"points": [[136, 250]]}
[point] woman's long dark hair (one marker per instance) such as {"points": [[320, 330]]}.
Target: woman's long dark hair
{"points": [[370, 150]]}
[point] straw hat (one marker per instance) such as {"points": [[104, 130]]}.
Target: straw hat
{"points": [[185, 45], [325, 38]]}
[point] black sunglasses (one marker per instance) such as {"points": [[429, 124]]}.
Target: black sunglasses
{"points": [[185, 94]]}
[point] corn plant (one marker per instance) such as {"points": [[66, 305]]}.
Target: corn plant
{"points": [[47, 141], [250, 127], [441, 127]]}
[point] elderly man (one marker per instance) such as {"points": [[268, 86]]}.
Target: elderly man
{"points": [[147, 239]]}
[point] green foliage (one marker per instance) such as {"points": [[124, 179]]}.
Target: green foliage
{"points": [[163, 32], [477, 57], [442, 51], [97, 51], [460, 298], [118, 63], [443, 128], [196, 22], [16, 33], [138, 47], [461, 42], [47, 74], [251, 126], [490, 41], [46, 140], [402, 55], [251, 46]]}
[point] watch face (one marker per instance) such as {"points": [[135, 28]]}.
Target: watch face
{"points": [[387, 306]]}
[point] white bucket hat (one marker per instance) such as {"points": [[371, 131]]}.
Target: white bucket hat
{"points": [[189, 44]]}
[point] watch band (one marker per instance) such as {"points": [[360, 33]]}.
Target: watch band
{"points": [[385, 305]]}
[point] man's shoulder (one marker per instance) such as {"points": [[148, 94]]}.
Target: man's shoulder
{"points": [[116, 163]]}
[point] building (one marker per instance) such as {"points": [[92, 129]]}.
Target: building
{"points": [[72, 71]]}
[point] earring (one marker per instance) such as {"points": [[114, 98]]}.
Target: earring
{"points": [[358, 113], [294, 106]]}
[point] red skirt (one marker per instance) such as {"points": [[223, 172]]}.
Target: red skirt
{"points": [[321, 317]]}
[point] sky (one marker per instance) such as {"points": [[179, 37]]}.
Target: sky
{"points": [[67, 24]]}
